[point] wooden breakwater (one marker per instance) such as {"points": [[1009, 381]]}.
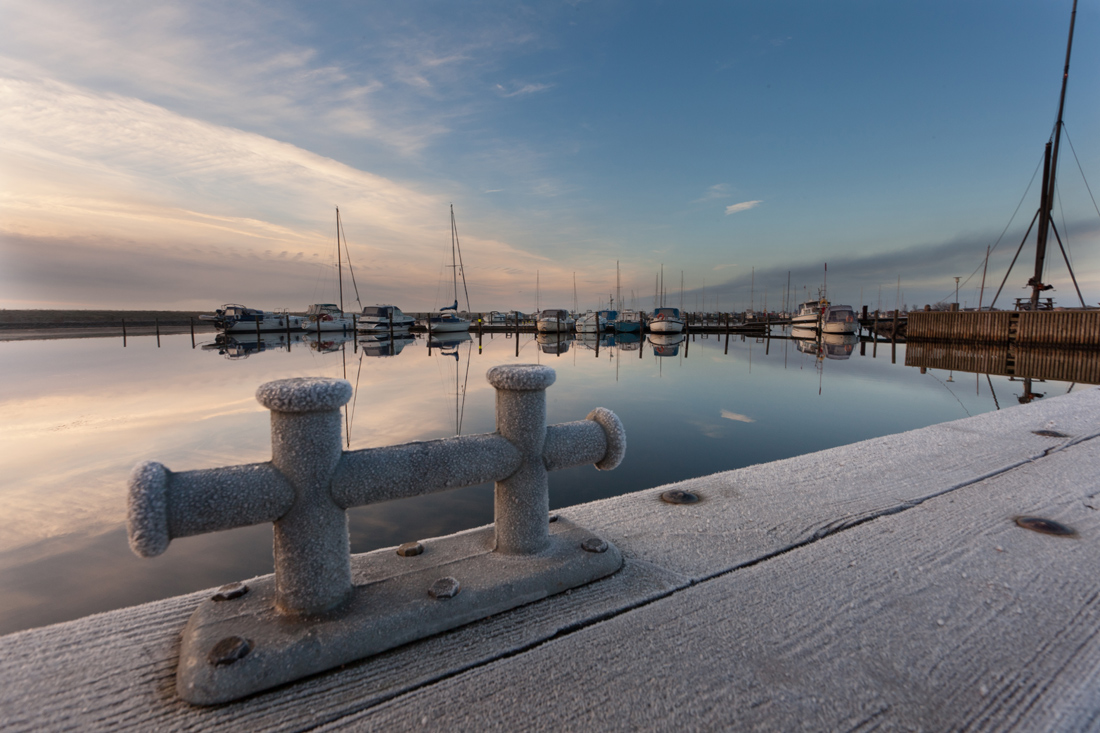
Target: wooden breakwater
{"points": [[1076, 328], [1007, 360]]}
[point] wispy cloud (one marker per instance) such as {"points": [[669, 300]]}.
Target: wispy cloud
{"points": [[736, 416], [522, 90], [155, 207], [743, 206], [715, 192]]}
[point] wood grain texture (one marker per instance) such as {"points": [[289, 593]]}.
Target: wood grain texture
{"points": [[945, 616], [756, 576]]}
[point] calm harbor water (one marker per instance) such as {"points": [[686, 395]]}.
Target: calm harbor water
{"points": [[79, 413]]}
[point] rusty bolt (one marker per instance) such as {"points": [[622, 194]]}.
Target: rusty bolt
{"points": [[594, 544], [229, 650], [1046, 526], [676, 496], [229, 592], [410, 549], [444, 588]]}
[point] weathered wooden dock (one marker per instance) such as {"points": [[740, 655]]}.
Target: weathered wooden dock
{"points": [[1075, 328], [886, 584]]}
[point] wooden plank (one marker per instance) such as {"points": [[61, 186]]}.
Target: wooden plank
{"points": [[115, 670], [946, 616]]}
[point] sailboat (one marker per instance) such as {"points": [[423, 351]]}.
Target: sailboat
{"points": [[450, 322], [331, 316]]}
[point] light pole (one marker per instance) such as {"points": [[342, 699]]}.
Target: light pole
{"points": [[956, 293]]}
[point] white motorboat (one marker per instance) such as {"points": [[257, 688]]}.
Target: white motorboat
{"points": [[554, 320], [809, 313], [451, 322], [666, 320], [591, 322], [234, 318], [839, 319], [327, 317], [380, 318]]}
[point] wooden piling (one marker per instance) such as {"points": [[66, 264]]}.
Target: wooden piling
{"points": [[124, 333], [156, 325], [191, 322]]}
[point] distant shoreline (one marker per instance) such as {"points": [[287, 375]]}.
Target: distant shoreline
{"points": [[39, 319], [27, 325]]}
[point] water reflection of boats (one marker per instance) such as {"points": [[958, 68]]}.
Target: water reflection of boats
{"points": [[596, 341], [808, 346], [383, 345], [327, 341], [446, 340], [628, 341], [554, 343], [242, 346], [235, 318], [838, 345], [666, 344], [804, 334]]}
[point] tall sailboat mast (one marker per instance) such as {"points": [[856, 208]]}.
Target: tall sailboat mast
{"points": [[1046, 199], [339, 265]]}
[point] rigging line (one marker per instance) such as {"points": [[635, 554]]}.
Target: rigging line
{"points": [[458, 247], [1013, 263], [1012, 218], [1071, 275], [350, 270], [1079, 168], [1067, 253]]}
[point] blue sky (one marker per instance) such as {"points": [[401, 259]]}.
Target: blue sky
{"points": [[186, 155]]}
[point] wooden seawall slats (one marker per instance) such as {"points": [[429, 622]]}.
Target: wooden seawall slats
{"points": [[1067, 328]]}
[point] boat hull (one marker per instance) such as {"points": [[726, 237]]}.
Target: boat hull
{"points": [[841, 327], [666, 326]]}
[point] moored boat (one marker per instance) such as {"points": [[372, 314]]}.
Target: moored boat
{"points": [[327, 317], [380, 318], [552, 320], [666, 320], [629, 321], [590, 322], [809, 313], [451, 322], [839, 319], [235, 318]]}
